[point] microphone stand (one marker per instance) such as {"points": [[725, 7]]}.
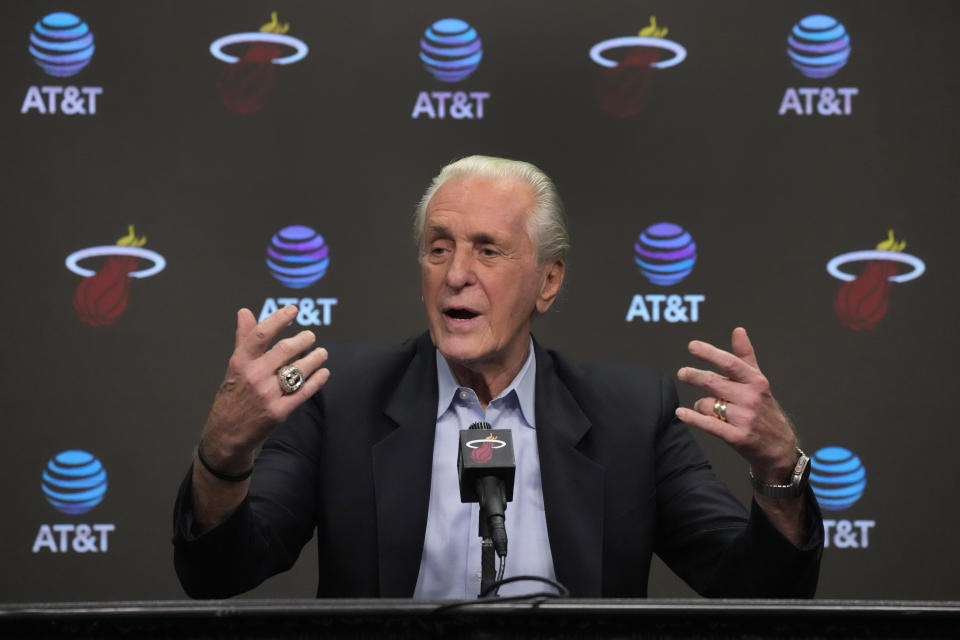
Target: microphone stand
{"points": [[488, 571], [491, 529]]}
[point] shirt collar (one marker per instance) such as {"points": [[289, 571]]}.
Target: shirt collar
{"points": [[523, 384]]}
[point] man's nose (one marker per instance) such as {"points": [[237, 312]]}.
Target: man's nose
{"points": [[460, 270]]}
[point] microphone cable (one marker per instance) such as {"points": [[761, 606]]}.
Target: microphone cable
{"points": [[537, 598]]}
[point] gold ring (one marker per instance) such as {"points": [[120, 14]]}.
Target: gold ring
{"points": [[720, 409]]}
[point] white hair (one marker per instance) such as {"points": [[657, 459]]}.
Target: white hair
{"points": [[546, 225]]}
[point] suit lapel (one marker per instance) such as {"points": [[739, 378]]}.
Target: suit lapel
{"points": [[572, 484], [402, 465]]}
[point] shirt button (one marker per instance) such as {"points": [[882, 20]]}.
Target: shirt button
{"points": [[464, 395]]}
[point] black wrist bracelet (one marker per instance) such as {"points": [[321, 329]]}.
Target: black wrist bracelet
{"points": [[222, 475]]}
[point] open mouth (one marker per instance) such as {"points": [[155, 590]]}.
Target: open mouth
{"points": [[460, 313]]}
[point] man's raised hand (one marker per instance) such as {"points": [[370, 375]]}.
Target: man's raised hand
{"points": [[754, 423], [250, 402]]}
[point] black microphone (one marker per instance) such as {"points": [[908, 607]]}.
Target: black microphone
{"points": [[487, 467]]}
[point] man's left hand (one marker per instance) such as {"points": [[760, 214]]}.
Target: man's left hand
{"points": [[755, 425]]}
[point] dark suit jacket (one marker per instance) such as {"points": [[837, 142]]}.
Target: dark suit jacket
{"points": [[622, 479]]}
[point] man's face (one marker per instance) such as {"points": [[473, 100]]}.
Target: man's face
{"points": [[479, 274]]}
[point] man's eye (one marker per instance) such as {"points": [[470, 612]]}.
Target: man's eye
{"points": [[489, 252]]}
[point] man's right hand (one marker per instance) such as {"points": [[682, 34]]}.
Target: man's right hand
{"points": [[250, 402]]}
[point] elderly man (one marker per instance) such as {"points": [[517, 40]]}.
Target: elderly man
{"points": [[607, 471]]}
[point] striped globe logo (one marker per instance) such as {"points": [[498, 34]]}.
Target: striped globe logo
{"points": [[665, 253], [451, 50], [818, 46], [837, 477], [61, 44], [297, 256], [74, 482]]}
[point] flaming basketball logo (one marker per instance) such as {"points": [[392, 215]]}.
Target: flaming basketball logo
{"points": [[247, 82], [863, 300], [623, 85], [484, 452], [101, 297]]}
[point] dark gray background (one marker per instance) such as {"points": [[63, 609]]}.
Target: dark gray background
{"points": [[768, 199]]}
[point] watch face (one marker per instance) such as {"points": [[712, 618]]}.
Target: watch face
{"points": [[802, 469]]}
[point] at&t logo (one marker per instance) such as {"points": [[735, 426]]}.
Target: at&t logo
{"points": [[62, 45], [665, 254], [298, 257], [450, 50], [818, 46], [838, 479], [74, 482]]}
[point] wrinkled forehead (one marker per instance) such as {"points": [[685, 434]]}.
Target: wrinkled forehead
{"points": [[506, 203]]}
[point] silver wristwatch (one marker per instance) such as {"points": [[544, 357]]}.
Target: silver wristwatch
{"points": [[798, 481]]}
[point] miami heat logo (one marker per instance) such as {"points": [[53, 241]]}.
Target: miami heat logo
{"points": [[247, 82], [482, 450], [624, 83], [102, 295], [863, 300]]}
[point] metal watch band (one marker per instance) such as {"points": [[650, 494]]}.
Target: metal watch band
{"points": [[798, 480]]}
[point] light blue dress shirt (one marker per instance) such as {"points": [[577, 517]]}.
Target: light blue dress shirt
{"points": [[450, 564]]}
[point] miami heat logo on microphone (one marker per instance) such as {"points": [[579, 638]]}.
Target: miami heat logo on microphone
{"points": [[102, 295], [482, 450]]}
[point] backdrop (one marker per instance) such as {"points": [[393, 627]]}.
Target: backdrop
{"points": [[788, 167]]}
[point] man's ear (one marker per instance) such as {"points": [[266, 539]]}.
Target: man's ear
{"points": [[553, 273]]}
